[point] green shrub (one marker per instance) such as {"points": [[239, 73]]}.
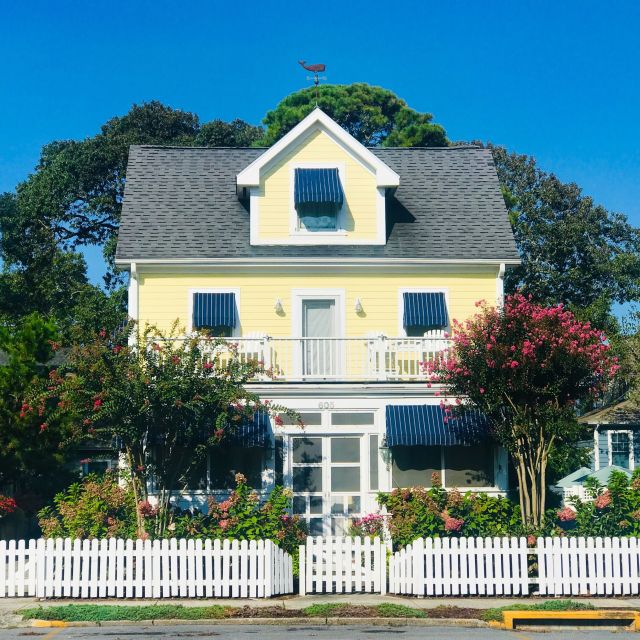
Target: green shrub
{"points": [[97, 507], [324, 610], [425, 513], [613, 510]]}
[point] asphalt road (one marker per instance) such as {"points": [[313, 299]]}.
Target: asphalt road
{"points": [[294, 632]]}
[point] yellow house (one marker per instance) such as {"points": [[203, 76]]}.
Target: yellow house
{"points": [[341, 267]]}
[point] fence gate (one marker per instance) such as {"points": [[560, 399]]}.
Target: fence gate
{"points": [[343, 565]]}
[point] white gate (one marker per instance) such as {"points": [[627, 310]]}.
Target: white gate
{"points": [[343, 565]]}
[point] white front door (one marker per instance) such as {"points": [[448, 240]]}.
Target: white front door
{"points": [[319, 348], [328, 477]]}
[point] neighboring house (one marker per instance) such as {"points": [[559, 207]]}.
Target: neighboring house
{"points": [[342, 268], [616, 447]]}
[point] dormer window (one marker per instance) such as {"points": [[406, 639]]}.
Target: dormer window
{"points": [[318, 199]]}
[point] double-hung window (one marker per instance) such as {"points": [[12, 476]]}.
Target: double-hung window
{"points": [[318, 198], [620, 450]]}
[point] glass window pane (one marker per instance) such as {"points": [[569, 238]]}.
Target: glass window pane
{"points": [[307, 450], [353, 504], [620, 450], [299, 504], [345, 478], [374, 454], [469, 466], [308, 419], [352, 418], [97, 466], [413, 466], [337, 505], [315, 504], [316, 527], [345, 449], [307, 479], [339, 526], [227, 461]]}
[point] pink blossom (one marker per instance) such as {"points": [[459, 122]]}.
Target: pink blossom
{"points": [[453, 524], [567, 514], [603, 500]]}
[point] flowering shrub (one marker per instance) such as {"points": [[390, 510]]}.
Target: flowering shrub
{"points": [[7, 506], [370, 525], [423, 513], [97, 507], [525, 366], [613, 510], [242, 517]]}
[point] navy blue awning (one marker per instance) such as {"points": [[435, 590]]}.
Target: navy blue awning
{"points": [[425, 310], [318, 186], [252, 433], [214, 310], [424, 424]]}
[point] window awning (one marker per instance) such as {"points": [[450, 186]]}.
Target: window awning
{"points": [[252, 433], [425, 310], [424, 424], [318, 186], [214, 310]]}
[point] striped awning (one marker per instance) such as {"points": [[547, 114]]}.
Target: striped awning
{"points": [[425, 424], [214, 310], [425, 310], [252, 433], [318, 186]]}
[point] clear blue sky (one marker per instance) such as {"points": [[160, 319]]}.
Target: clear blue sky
{"points": [[555, 79]]}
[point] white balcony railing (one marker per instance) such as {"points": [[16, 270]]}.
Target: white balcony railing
{"points": [[338, 359]]}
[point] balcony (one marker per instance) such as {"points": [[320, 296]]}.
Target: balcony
{"points": [[338, 359]]}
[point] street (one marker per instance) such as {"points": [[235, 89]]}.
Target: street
{"points": [[267, 632]]}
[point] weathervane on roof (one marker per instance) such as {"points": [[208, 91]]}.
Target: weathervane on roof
{"points": [[315, 69]]}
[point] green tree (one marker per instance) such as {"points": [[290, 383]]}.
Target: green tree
{"points": [[373, 115], [525, 367], [573, 251], [31, 455], [164, 404], [236, 133]]}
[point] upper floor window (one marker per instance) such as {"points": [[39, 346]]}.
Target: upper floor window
{"points": [[620, 449], [318, 199], [215, 312], [423, 312]]}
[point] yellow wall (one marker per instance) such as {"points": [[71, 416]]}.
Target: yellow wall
{"points": [[359, 187], [163, 297]]}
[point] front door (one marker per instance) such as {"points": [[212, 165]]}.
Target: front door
{"points": [[328, 481], [319, 345]]}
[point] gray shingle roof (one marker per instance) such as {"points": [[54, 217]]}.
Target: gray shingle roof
{"points": [[182, 203]]}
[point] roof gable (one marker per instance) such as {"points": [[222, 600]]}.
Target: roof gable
{"points": [[317, 120]]}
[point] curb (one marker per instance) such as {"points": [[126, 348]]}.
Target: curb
{"points": [[309, 622]]}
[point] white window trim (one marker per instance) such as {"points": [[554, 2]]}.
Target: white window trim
{"points": [[237, 330], [436, 333], [295, 230], [629, 433]]}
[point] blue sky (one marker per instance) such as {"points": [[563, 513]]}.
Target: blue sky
{"points": [[556, 80]]}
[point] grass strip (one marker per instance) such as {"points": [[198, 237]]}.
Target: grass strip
{"points": [[101, 613], [495, 614]]}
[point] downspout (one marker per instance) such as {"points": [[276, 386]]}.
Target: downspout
{"points": [[500, 286]]}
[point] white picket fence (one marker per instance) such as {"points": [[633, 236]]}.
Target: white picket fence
{"points": [[343, 565], [588, 566], [461, 566], [144, 569]]}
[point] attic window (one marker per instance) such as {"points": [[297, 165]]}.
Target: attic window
{"points": [[318, 197]]}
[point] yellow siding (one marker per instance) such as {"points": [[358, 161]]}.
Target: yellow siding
{"points": [[359, 186], [164, 297]]}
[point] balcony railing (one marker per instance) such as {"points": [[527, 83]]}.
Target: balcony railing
{"points": [[338, 359]]}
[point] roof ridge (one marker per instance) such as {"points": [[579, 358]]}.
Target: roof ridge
{"points": [[194, 148]]}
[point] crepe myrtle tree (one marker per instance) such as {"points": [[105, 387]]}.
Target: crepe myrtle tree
{"points": [[525, 366], [163, 404]]}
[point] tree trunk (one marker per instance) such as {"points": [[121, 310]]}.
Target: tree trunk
{"points": [[531, 461]]}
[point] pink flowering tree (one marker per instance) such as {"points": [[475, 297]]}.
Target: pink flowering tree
{"points": [[526, 367], [163, 405]]}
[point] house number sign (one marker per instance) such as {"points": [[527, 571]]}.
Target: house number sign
{"points": [[326, 404]]}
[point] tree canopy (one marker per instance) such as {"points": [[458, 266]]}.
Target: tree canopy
{"points": [[372, 115], [525, 367]]}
